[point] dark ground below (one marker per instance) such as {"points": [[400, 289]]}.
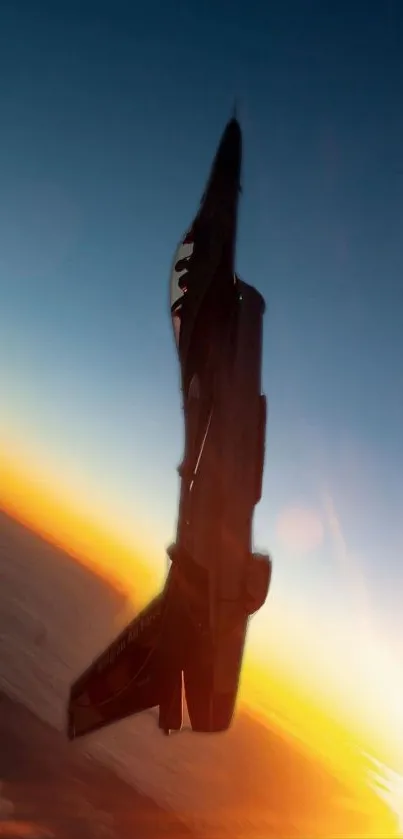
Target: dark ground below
{"points": [[48, 789]]}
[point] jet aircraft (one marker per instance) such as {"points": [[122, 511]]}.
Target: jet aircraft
{"points": [[189, 641]]}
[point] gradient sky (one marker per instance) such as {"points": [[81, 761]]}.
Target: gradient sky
{"points": [[110, 116]]}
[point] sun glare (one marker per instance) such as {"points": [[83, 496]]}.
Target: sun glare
{"points": [[275, 691], [299, 530]]}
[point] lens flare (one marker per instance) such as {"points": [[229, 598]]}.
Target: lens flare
{"points": [[299, 530]]}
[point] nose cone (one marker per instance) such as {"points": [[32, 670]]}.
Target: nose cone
{"points": [[225, 175], [229, 154], [205, 257]]}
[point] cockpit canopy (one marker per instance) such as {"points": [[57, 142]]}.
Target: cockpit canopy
{"points": [[178, 285]]}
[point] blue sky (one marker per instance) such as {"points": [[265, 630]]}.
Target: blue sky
{"points": [[110, 115]]}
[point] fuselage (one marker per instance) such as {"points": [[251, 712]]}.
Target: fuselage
{"points": [[192, 635], [203, 283]]}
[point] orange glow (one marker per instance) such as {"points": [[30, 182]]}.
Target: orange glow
{"points": [[274, 695], [278, 686], [23, 830], [34, 502], [268, 690]]}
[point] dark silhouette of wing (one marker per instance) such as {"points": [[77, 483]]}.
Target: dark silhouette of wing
{"points": [[124, 680]]}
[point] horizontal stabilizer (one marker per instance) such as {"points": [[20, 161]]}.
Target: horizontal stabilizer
{"points": [[124, 680]]}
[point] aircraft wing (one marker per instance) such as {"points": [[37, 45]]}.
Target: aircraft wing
{"points": [[124, 680]]}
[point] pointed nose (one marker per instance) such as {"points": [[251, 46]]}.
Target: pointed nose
{"points": [[233, 130], [225, 174], [229, 154]]}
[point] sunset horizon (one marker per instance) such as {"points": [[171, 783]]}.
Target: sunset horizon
{"points": [[108, 139], [272, 693]]}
